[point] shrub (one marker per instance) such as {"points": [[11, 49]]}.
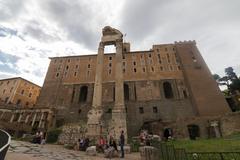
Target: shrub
{"points": [[52, 135]]}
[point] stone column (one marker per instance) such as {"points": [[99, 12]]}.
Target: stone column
{"points": [[95, 114], [34, 118], [118, 122], [12, 118], [2, 114], [97, 94], [41, 119], [20, 117], [27, 117]]}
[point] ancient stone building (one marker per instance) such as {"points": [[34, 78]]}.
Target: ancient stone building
{"points": [[18, 91], [18, 113], [128, 89]]}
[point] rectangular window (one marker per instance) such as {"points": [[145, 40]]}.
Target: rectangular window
{"points": [[141, 111], [155, 109], [152, 69]]}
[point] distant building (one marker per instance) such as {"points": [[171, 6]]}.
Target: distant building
{"points": [[18, 91]]}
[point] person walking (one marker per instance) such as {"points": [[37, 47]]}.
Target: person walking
{"points": [[122, 142]]}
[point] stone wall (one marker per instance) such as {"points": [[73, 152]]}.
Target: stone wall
{"points": [[230, 123], [71, 133]]}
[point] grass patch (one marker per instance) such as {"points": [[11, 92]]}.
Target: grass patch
{"points": [[227, 144]]}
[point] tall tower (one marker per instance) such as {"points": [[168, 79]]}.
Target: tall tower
{"points": [[110, 36], [206, 97]]}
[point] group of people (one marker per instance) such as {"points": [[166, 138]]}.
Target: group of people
{"points": [[111, 148], [106, 146], [39, 138], [83, 144]]}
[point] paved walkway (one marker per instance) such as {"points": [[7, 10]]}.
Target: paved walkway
{"points": [[26, 151]]}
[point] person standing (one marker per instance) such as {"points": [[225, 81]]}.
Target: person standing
{"points": [[122, 142]]}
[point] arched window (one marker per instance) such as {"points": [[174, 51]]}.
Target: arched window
{"points": [[83, 94], [126, 92], [168, 92]]}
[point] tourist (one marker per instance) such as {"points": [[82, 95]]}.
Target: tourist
{"points": [[147, 141], [42, 137], [112, 143], [111, 149], [37, 138], [122, 141], [86, 144], [101, 144], [81, 144], [77, 145]]}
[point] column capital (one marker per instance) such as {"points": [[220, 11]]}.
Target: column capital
{"points": [[118, 44]]}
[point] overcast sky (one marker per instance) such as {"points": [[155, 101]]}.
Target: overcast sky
{"points": [[33, 30]]}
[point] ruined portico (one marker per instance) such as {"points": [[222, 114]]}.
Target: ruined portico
{"points": [[110, 36], [25, 120]]}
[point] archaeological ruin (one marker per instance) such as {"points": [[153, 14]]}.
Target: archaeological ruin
{"points": [[168, 88]]}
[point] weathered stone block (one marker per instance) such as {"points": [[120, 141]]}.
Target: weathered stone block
{"points": [[91, 151]]}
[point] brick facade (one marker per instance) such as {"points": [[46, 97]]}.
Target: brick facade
{"points": [[164, 84]]}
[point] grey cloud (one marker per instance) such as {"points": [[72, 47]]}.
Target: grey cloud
{"points": [[4, 31], [6, 75], [10, 9], [38, 73], [76, 18], [8, 63], [169, 20], [35, 30]]}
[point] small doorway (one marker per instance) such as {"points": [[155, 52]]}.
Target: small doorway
{"points": [[168, 133], [193, 131]]}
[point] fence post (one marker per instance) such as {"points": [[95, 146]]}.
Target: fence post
{"points": [[222, 158]]}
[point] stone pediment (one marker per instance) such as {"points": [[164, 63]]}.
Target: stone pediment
{"points": [[109, 31]]}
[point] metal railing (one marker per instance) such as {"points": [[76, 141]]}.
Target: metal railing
{"points": [[169, 152], [213, 155], [5, 140]]}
